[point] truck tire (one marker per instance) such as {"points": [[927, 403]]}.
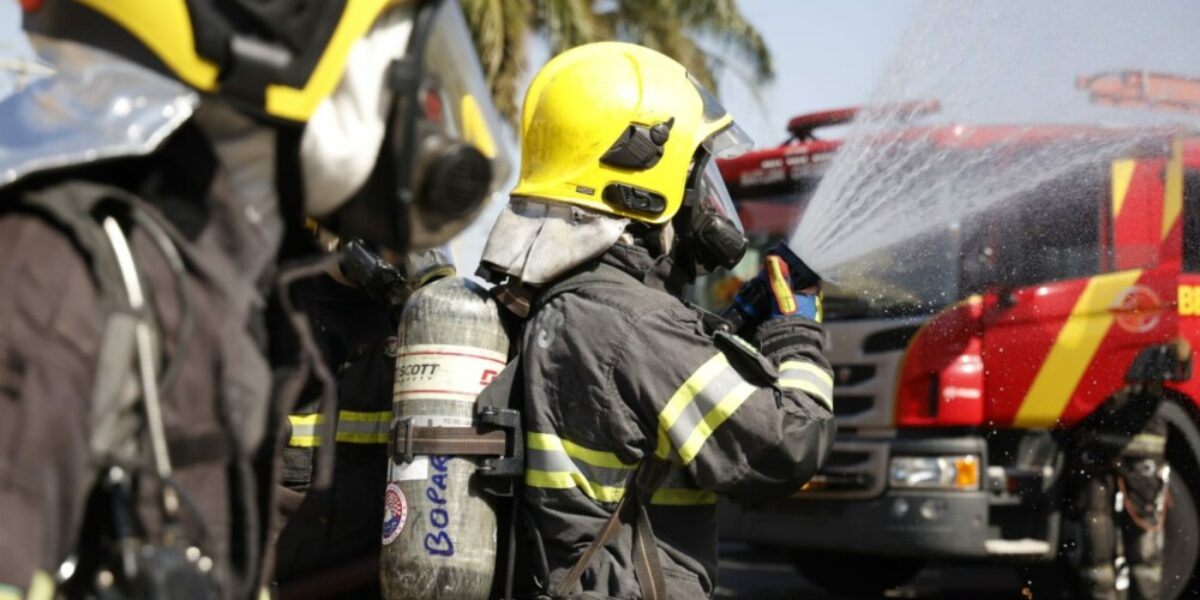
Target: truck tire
{"points": [[856, 574], [1182, 547]]}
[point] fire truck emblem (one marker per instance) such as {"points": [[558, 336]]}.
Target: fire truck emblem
{"points": [[1138, 309]]}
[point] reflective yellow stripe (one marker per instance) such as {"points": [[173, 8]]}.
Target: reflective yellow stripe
{"points": [[314, 419], [1073, 349], [1122, 175], [682, 497], [562, 480], [684, 395], [361, 438], [730, 403], [559, 464], [365, 417], [41, 588], [551, 442], [304, 430], [807, 367], [354, 427], [809, 388]]}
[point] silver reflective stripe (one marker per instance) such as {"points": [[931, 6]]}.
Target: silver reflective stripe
{"points": [[808, 378], [709, 396], [719, 388], [304, 430], [549, 460], [558, 464], [555, 463], [355, 427]]}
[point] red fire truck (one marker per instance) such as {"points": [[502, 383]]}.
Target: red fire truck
{"points": [[961, 376]]}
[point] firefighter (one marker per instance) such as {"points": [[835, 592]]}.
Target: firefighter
{"points": [[639, 408], [331, 543], [147, 186], [1119, 498]]}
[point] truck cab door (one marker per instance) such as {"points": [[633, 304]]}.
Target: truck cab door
{"points": [[1079, 291]]}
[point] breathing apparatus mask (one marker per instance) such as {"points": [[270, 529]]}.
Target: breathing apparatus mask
{"points": [[435, 134], [709, 233]]}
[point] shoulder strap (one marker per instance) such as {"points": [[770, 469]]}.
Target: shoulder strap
{"points": [[115, 418], [71, 205]]}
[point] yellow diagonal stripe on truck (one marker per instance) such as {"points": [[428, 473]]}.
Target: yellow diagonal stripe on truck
{"points": [[1073, 350], [1173, 189], [1122, 174]]}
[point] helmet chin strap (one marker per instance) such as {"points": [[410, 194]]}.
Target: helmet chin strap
{"points": [[658, 240]]}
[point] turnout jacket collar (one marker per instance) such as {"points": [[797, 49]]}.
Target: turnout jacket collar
{"points": [[657, 273]]}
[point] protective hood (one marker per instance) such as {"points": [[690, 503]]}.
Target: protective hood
{"points": [[94, 106], [537, 242], [342, 139]]}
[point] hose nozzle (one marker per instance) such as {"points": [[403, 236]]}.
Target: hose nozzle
{"points": [[752, 304]]}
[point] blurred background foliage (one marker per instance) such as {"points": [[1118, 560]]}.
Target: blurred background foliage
{"points": [[709, 37]]}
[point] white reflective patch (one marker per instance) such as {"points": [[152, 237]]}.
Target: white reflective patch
{"points": [[548, 325], [417, 470]]}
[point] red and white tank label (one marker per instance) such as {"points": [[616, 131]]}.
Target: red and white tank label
{"points": [[444, 371]]}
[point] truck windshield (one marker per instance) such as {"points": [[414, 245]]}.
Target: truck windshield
{"points": [[918, 276]]}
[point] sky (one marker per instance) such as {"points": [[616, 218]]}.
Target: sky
{"points": [[827, 53]]}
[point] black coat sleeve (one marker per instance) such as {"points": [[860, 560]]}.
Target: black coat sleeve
{"points": [[742, 423]]}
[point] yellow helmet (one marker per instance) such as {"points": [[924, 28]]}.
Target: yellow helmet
{"points": [[615, 128], [278, 57]]}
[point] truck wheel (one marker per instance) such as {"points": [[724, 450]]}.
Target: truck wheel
{"points": [[1181, 578], [856, 574], [1182, 546]]}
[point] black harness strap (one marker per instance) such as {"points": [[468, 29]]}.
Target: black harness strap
{"points": [[646, 479]]}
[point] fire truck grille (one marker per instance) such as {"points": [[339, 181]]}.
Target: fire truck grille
{"points": [[867, 355]]}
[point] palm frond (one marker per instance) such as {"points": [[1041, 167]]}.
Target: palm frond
{"points": [[706, 36]]}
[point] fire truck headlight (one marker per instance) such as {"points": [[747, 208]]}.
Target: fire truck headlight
{"points": [[935, 472]]}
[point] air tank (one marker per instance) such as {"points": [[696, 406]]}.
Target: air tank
{"points": [[439, 528]]}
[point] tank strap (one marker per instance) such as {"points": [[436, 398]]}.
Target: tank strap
{"points": [[413, 440], [496, 433]]}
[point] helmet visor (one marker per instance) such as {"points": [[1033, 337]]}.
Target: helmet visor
{"points": [[454, 95], [713, 196], [729, 142]]}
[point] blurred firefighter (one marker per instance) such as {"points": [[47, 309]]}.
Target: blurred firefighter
{"points": [[1120, 498], [147, 187], [331, 543], [640, 408]]}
